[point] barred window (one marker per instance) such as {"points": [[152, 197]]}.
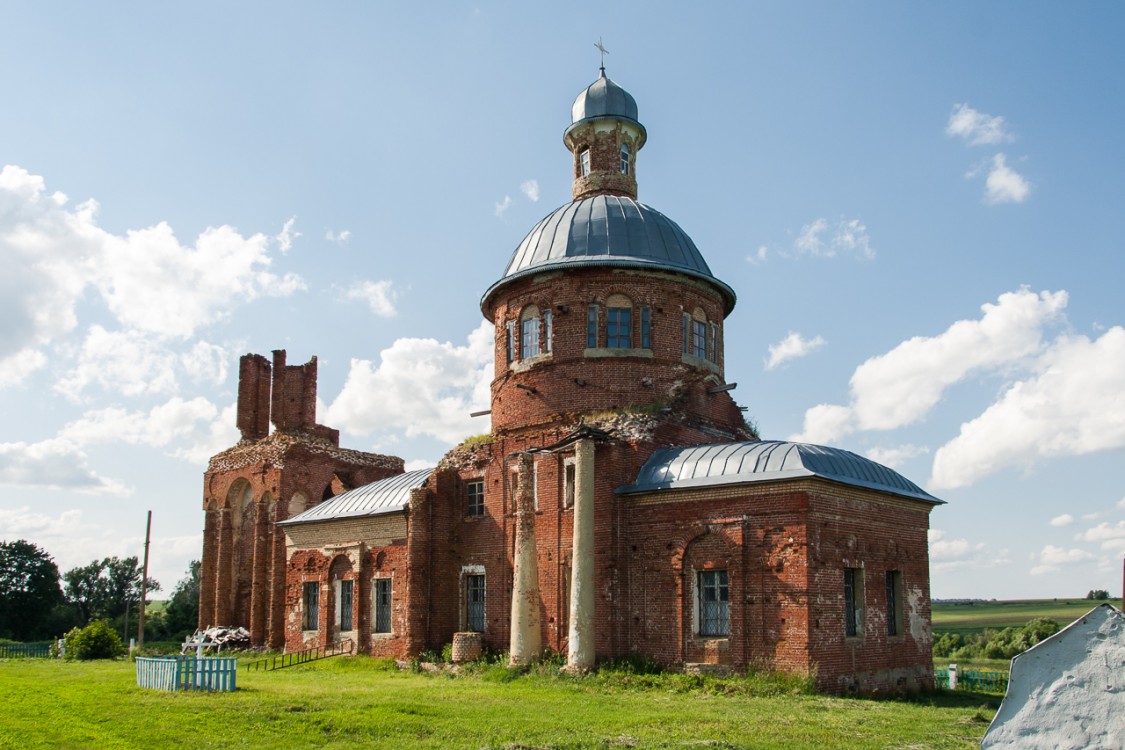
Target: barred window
{"points": [[311, 597], [894, 602], [853, 602], [344, 605], [474, 603], [381, 593], [714, 603]]}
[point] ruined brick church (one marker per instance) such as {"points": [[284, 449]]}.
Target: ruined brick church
{"points": [[621, 503]]}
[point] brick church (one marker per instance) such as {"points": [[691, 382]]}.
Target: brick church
{"points": [[621, 503]]}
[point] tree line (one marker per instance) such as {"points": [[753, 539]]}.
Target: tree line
{"points": [[37, 603]]}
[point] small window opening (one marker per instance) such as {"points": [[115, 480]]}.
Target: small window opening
{"points": [[382, 595], [584, 162], [624, 158], [474, 490], [714, 603], [474, 603], [311, 596]]}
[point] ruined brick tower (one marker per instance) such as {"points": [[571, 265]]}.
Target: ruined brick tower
{"points": [[267, 478]]}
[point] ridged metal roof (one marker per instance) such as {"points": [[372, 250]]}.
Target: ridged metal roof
{"points": [[603, 98], [764, 461], [388, 495], [608, 230]]}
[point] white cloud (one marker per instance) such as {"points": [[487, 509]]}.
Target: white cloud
{"points": [[15, 368], [530, 188], [1052, 558], [53, 464], [380, 296], [976, 127], [287, 235], [902, 386], [1103, 532], [503, 205], [846, 236], [793, 346], [1071, 405], [157, 427], [129, 362], [1064, 520], [1004, 184], [206, 363], [340, 238], [951, 554], [758, 256], [1121, 503], [51, 255], [420, 386], [895, 457], [416, 464], [208, 440]]}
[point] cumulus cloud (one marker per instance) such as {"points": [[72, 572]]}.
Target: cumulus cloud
{"points": [[1004, 184], [157, 427], [206, 440], [530, 188], [1121, 503], [975, 127], [380, 296], [206, 363], [758, 256], [1064, 520], [420, 386], [793, 346], [895, 457], [902, 386], [951, 554], [820, 239], [1071, 405], [56, 463], [502, 206], [53, 254], [340, 238], [1103, 532], [129, 362], [1052, 559], [287, 234]]}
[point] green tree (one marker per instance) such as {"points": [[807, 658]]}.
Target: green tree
{"points": [[29, 590], [105, 587], [182, 613]]}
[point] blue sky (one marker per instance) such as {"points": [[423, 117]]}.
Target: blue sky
{"points": [[920, 208]]}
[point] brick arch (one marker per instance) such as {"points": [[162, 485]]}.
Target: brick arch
{"points": [[710, 552]]}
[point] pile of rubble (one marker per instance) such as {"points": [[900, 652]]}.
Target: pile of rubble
{"points": [[217, 638]]}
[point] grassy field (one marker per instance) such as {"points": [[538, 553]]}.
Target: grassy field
{"points": [[973, 618], [360, 702]]}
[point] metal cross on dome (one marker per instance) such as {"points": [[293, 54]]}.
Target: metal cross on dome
{"points": [[603, 50]]}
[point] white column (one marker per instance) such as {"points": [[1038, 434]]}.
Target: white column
{"points": [[580, 647], [525, 640]]}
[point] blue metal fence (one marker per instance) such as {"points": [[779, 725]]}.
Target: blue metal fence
{"points": [[25, 650], [973, 679], [216, 673]]}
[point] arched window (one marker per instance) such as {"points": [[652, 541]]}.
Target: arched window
{"points": [[624, 158], [619, 322]]}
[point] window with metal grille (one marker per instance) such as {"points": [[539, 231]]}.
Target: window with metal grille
{"points": [[894, 602], [474, 490], [853, 602], [344, 606], [311, 597], [619, 327], [381, 592], [714, 603], [474, 603]]}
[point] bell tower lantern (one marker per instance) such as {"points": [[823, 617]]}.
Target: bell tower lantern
{"points": [[604, 136]]}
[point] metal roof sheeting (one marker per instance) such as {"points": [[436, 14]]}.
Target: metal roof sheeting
{"points": [[388, 495], [608, 230], [603, 98], [764, 461]]}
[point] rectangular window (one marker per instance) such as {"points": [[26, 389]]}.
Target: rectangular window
{"points": [[584, 161], [548, 333], [624, 159], [381, 593], [474, 490], [853, 602], [474, 603], [894, 602], [511, 340], [568, 485], [344, 605], [592, 327], [714, 603], [646, 327], [529, 338], [619, 328], [699, 339], [311, 597]]}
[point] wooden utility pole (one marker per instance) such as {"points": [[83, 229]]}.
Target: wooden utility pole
{"points": [[144, 587]]}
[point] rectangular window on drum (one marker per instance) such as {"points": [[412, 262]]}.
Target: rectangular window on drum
{"points": [[646, 327], [592, 327], [619, 328]]}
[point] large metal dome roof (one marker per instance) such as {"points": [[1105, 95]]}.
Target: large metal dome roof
{"points": [[608, 230], [766, 460]]}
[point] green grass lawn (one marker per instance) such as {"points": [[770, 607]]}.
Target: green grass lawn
{"points": [[360, 703], [968, 619]]}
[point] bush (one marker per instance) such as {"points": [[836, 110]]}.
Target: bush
{"points": [[98, 640], [992, 644]]}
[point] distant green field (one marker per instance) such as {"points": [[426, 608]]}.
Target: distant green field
{"points": [[973, 618]]}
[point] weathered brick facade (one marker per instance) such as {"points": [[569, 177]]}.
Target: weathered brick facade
{"points": [[799, 571]]}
